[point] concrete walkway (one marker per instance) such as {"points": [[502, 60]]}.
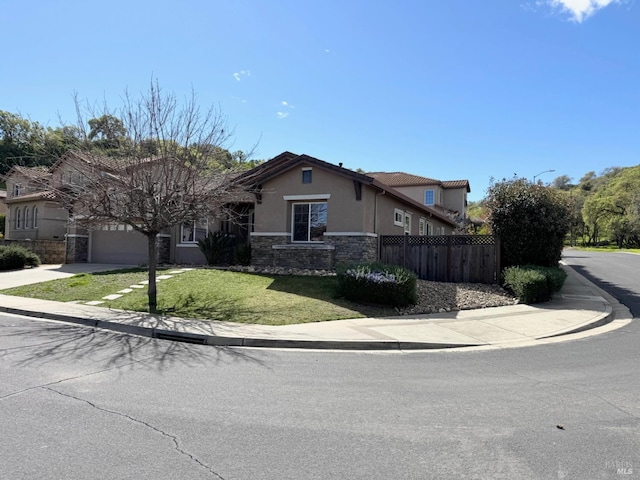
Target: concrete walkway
{"points": [[579, 306]]}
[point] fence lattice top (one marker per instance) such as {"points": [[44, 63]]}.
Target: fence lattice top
{"points": [[438, 239]]}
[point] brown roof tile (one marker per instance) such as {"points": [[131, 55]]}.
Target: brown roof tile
{"points": [[402, 179]]}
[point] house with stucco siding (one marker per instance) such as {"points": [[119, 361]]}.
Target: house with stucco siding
{"points": [[309, 213]]}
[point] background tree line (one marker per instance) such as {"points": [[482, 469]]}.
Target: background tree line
{"points": [[604, 209], [27, 143]]}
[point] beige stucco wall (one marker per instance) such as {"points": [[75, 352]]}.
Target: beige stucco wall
{"points": [[450, 198], [373, 213], [386, 206], [52, 221], [455, 199], [417, 192], [344, 212]]}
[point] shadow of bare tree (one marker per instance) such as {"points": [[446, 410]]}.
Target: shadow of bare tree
{"points": [[53, 341]]}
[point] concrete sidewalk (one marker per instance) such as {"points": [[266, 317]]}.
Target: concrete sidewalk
{"points": [[579, 306]]}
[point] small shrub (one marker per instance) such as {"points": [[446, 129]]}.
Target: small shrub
{"points": [[13, 257], [377, 283], [555, 277], [533, 284], [217, 247]]}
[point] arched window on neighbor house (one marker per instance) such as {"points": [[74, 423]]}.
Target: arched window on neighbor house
{"points": [[35, 217], [18, 219], [27, 217]]}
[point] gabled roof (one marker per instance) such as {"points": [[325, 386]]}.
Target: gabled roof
{"points": [[402, 179], [34, 173], [287, 160], [44, 195]]}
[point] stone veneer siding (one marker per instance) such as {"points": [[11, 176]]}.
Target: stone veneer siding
{"points": [[163, 245], [278, 251], [77, 248], [354, 249], [49, 251]]}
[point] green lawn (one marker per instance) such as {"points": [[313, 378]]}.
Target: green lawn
{"points": [[213, 294]]}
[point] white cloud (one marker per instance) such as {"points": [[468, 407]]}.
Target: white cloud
{"points": [[579, 10], [282, 114], [242, 73]]}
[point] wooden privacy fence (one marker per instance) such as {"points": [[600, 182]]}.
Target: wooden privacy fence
{"points": [[444, 258]]}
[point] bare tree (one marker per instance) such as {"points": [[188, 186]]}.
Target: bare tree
{"points": [[159, 176]]}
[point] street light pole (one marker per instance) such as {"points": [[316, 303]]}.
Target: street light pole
{"points": [[537, 175]]}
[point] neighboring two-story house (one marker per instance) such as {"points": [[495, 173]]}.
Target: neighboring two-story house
{"points": [[32, 211]]}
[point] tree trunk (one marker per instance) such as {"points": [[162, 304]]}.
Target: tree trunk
{"points": [[153, 260]]}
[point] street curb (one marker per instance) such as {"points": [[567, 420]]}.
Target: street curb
{"points": [[224, 341], [371, 345]]}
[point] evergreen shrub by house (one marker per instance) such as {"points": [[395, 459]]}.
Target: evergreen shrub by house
{"points": [[533, 284], [377, 283], [217, 248], [13, 257]]}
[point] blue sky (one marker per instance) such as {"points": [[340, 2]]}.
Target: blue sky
{"points": [[441, 88]]}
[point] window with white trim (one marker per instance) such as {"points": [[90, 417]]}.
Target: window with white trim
{"points": [[429, 228], [35, 217], [422, 226], [191, 232], [407, 223], [429, 197], [308, 222], [398, 217]]}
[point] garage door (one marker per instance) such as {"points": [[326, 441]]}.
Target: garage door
{"points": [[117, 244]]}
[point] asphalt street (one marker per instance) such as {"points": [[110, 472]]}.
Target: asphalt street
{"points": [[85, 404]]}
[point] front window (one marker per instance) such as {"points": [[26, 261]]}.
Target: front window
{"points": [[309, 222], [429, 197], [306, 175], [422, 227], [191, 232]]}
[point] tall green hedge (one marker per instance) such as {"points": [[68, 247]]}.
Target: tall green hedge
{"points": [[531, 221]]}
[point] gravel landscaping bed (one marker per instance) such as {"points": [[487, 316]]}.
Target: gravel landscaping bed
{"points": [[437, 297], [433, 297]]}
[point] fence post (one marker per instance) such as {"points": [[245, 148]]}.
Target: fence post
{"points": [[498, 258], [405, 242]]}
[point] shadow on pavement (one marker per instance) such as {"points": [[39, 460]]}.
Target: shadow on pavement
{"points": [[56, 342], [625, 296]]}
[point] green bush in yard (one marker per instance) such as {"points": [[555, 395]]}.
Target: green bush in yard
{"points": [[533, 284], [13, 257], [217, 248], [377, 283]]}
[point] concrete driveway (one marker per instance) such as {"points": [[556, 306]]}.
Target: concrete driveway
{"points": [[43, 273]]}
